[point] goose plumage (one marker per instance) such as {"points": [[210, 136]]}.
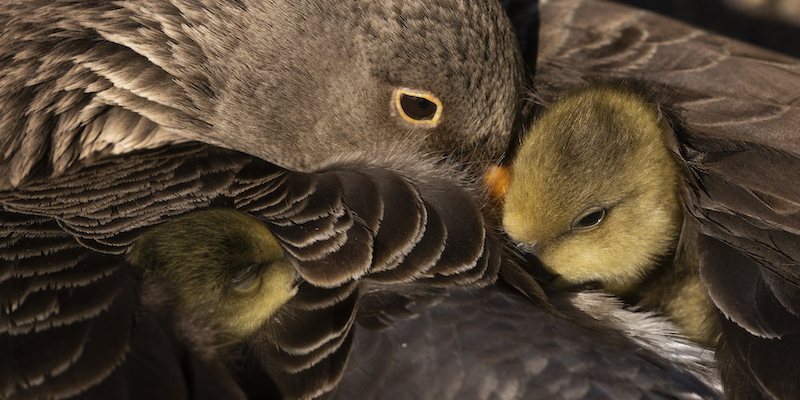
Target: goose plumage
{"points": [[95, 90]]}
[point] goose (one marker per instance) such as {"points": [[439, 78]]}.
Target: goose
{"points": [[221, 266], [75, 199]]}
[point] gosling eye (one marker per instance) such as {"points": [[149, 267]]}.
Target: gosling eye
{"points": [[418, 107], [590, 220], [246, 278]]}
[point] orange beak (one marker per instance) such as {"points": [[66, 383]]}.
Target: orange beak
{"points": [[497, 179]]}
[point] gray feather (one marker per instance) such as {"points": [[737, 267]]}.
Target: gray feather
{"points": [[293, 83]]}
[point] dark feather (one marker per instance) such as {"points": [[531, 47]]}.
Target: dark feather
{"points": [[72, 324], [491, 343], [746, 358]]}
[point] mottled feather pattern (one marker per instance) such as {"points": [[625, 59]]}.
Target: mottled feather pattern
{"points": [[709, 80], [741, 196], [743, 203], [96, 211], [117, 201], [305, 347], [64, 82]]}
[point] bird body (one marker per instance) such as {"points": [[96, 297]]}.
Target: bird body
{"points": [[596, 190], [305, 347], [99, 98]]}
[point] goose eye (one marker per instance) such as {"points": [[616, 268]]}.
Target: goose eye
{"points": [[590, 220], [418, 107], [247, 278]]}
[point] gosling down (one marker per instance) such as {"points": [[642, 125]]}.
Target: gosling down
{"points": [[595, 195], [607, 192], [223, 267]]}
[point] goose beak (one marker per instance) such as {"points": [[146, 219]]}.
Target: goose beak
{"points": [[496, 180]]}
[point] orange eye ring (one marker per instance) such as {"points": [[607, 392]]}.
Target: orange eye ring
{"points": [[417, 107]]}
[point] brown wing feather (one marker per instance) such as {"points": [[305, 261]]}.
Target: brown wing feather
{"points": [[71, 325], [100, 208]]}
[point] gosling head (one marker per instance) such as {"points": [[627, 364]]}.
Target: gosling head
{"points": [[224, 267], [594, 189]]}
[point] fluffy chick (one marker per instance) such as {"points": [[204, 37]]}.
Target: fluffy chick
{"points": [[223, 266], [595, 193]]}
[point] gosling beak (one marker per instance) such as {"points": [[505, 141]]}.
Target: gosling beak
{"points": [[497, 180], [298, 280], [528, 248]]}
